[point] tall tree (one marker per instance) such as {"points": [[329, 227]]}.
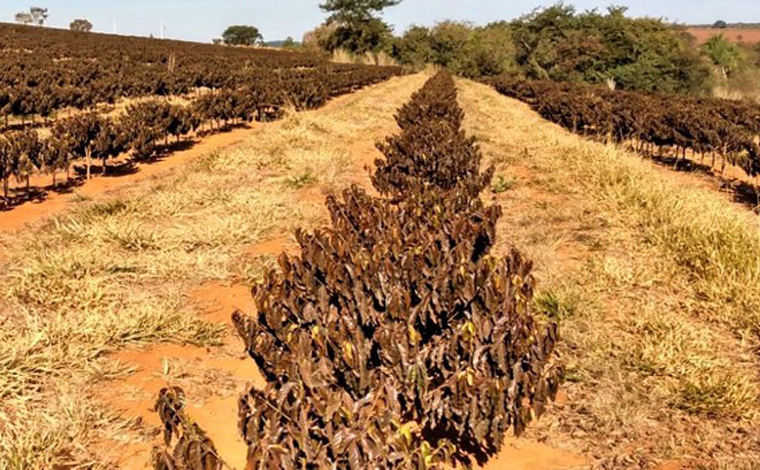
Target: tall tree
{"points": [[351, 12], [35, 15], [39, 15], [240, 35], [80, 25], [357, 27]]}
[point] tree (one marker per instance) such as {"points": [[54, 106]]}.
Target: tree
{"points": [[357, 27], [351, 12], [720, 24], [240, 35], [724, 54], [361, 37], [24, 17], [79, 133], [27, 150], [39, 15], [638, 53], [6, 166], [80, 25], [35, 15], [55, 157]]}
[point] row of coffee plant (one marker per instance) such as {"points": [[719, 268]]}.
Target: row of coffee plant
{"points": [[396, 339], [708, 127], [43, 70], [146, 124]]}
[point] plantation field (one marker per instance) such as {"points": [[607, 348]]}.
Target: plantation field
{"points": [[75, 105], [112, 293], [219, 257], [649, 269]]}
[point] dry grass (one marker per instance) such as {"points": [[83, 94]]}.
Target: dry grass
{"points": [[655, 282], [342, 56], [117, 272]]}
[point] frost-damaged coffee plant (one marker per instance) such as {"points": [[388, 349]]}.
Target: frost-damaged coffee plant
{"points": [[396, 339]]}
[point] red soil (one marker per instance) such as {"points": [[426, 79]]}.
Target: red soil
{"points": [[135, 395], [522, 454], [55, 202], [750, 36]]}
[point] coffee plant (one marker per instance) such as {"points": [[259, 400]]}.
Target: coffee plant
{"points": [[43, 71], [65, 74], [397, 339], [650, 122]]}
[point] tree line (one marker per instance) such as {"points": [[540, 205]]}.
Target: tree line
{"points": [[555, 43]]}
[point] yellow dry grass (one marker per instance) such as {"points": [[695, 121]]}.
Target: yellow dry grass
{"points": [[342, 56], [117, 272], [655, 282]]}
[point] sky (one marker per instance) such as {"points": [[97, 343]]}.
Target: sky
{"points": [[203, 20]]}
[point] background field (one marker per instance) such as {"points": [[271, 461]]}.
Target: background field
{"points": [[736, 35]]}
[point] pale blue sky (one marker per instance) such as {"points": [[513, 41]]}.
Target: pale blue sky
{"points": [[201, 20]]}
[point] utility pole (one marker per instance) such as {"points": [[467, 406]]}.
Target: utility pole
{"points": [[163, 30]]}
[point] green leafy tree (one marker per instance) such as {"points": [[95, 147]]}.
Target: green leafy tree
{"points": [[352, 12], [357, 27], [642, 54], [723, 54], [414, 47], [463, 48], [489, 51], [80, 25], [720, 24], [242, 35], [367, 36]]}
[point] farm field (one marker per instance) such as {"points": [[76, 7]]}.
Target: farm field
{"points": [[647, 353], [747, 35], [230, 257], [75, 105]]}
